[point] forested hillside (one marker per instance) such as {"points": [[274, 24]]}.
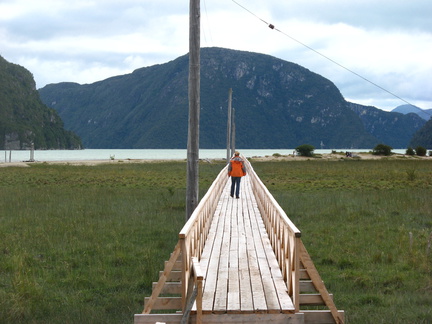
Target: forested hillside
{"points": [[24, 119]]}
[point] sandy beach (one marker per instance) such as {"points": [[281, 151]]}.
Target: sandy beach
{"points": [[340, 156], [82, 162], [268, 158]]}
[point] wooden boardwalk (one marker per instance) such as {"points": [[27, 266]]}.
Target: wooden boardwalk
{"points": [[240, 267], [239, 261]]}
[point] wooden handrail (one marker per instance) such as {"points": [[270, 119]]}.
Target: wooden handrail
{"points": [[284, 236], [194, 233]]}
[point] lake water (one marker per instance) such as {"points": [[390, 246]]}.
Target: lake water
{"points": [[173, 154]]}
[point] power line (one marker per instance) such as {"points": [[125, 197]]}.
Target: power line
{"points": [[271, 26], [208, 20]]}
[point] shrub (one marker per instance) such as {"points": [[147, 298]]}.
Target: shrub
{"points": [[411, 174], [305, 150], [420, 151], [410, 151], [382, 149]]}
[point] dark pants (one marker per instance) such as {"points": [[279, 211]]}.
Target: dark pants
{"points": [[235, 183]]}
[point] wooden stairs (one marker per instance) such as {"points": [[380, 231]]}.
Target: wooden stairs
{"points": [[316, 304]]}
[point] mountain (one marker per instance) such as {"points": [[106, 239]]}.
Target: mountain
{"points": [[277, 104], [423, 137], [407, 109], [394, 129], [24, 119]]}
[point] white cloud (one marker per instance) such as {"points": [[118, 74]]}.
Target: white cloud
{"points": [[386, 42]]}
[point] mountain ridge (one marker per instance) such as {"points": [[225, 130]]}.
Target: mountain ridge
{"points": [[278, 104], [406, 109]]}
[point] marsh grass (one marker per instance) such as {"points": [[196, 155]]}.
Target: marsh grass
{"points": [[84, 244], [356, 219]]}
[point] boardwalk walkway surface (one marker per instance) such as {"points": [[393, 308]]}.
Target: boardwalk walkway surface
{"points": [[241, 270], [239, 261]]}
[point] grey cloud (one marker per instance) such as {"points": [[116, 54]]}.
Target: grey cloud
{"points": [[365, 14]]}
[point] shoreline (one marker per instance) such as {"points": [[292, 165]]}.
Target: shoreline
{"points": [[268, 158]]}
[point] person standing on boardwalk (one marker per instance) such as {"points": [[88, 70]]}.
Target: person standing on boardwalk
{"points": [[236, 170]]}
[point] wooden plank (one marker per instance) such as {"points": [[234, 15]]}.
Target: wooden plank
{"points": [[177, 265], [174, 275], [246, 282], [154, 318], [255, 287], [257, 249], [307, 286], [210, 257], [303, 274], [252, 318], [284, 300], [312, 299], [165, 303], [220, 302], [173, 288], [321, 316], [233, 270]]}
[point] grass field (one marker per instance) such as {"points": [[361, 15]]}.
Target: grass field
{"points": [[357, 219], [83, 244]]}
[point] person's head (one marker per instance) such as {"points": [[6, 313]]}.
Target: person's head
{"points": [[237, 153]]}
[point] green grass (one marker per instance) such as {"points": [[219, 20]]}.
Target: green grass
{"points": [[83, 244], [356, 219]]}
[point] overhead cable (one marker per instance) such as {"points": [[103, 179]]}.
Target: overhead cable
{"points": [[271, 26]]}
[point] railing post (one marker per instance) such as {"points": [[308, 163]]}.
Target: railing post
{"points": [[185, 266], [296, 259], [199, 277]]}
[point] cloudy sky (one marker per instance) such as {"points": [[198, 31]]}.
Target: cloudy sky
{"points": [[386, 42]]}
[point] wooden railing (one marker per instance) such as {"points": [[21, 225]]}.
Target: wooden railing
{"points": [[283, 234], [192, 238]]}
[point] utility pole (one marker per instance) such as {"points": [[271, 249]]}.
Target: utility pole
{"points": [[194, 108], [233, 135], [229, 154]]}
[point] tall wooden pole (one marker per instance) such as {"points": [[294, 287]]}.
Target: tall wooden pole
{"points": [[228, 146], [233, 135], [194, 108]]}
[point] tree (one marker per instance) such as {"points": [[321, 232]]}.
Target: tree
{"points": [[420, 151], [305, 150], [410, 151], [382, 149]]}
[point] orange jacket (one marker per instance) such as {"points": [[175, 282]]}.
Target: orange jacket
{"points": [[236, 167]]}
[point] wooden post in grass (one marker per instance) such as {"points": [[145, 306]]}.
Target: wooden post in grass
{"points": [[194, 108], [32, 153]]}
